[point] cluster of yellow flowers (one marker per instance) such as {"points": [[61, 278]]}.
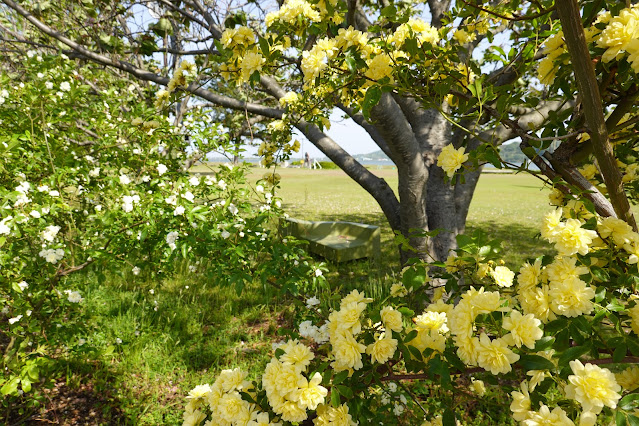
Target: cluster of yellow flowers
{"points": [[180, 78], [422, 31], [289, 393], [343, 326], [620, 38], [293, 12], [246, 59], [451, 159], [591, 386], [224, 402]]}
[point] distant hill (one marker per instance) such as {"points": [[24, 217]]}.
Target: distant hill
{"points": [[375, 156], [512, 154]]}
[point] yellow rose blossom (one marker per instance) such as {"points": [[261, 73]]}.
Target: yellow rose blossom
{"points": [[503, 276], [311, 393], [537, 302], [494, 355], [524, 329], [354, 296], [463, 36], [619, 230], [392, 319], [551, 225], [451, 159], [628, 379], [251, 63], [477, 386], [348, 353], [382, 349], [529, 275], [328, 415], [398, 290], [193, 418], [381, 66], [467, 349], [292, 412], [592, 386], [572, 238], [232, 407], [618, 34], [571, 298], [229, 380], [296, 354], [520, 406], [543, 417], [565, 268], [634, 318]]}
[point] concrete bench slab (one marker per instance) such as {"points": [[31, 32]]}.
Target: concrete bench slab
{"points": [[336, 241]]}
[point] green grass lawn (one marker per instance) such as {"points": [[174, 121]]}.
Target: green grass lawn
{"points": [[180, 332]]}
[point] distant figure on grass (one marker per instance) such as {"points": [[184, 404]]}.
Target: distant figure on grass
{"points": [[307, 161]]}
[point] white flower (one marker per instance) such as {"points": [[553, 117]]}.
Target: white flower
{"points": [[179, 210], [172, 200], [43, 188], [136, 270], [65, 86], [161, 169], [23, 285], [52, 255], [94, 172], [4, 228], [194, 180], [118, 341], [188, 196], [124, 180], [222, 185], [50, 232], [35, 214], [233, 209], [259, 188], [171, 237], [15, 319], [398, 409], [313, 301], [48, 85], [73, 296], [98, 208], [318, 272], [308, 330], [128, 201], [152, 291], [81, 341], [54, 193], [225, 234]]}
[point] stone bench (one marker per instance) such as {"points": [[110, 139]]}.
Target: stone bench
{"points": [[336, 241]]}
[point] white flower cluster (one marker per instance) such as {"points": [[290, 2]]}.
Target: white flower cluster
{"points": [[52, 255], [3, 96], [128, 201], [50, 233], [73, 296], [4, 228], [171, 238], [22, 198], [310, 331]]}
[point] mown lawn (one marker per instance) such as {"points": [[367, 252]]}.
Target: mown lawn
{"points": [[163, 337]]}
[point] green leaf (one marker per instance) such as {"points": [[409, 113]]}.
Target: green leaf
{"points": [[11, 387], [335, 400], [340, 377], [629, 402], [633, 420], [264, 47], [414, 277], [373, 95], [620, 418], [535, 362], [544, 343], [620, 353], [346, 391], [448, 419], [389, 12], [600, 274], [572, 353], [406, 311]]}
